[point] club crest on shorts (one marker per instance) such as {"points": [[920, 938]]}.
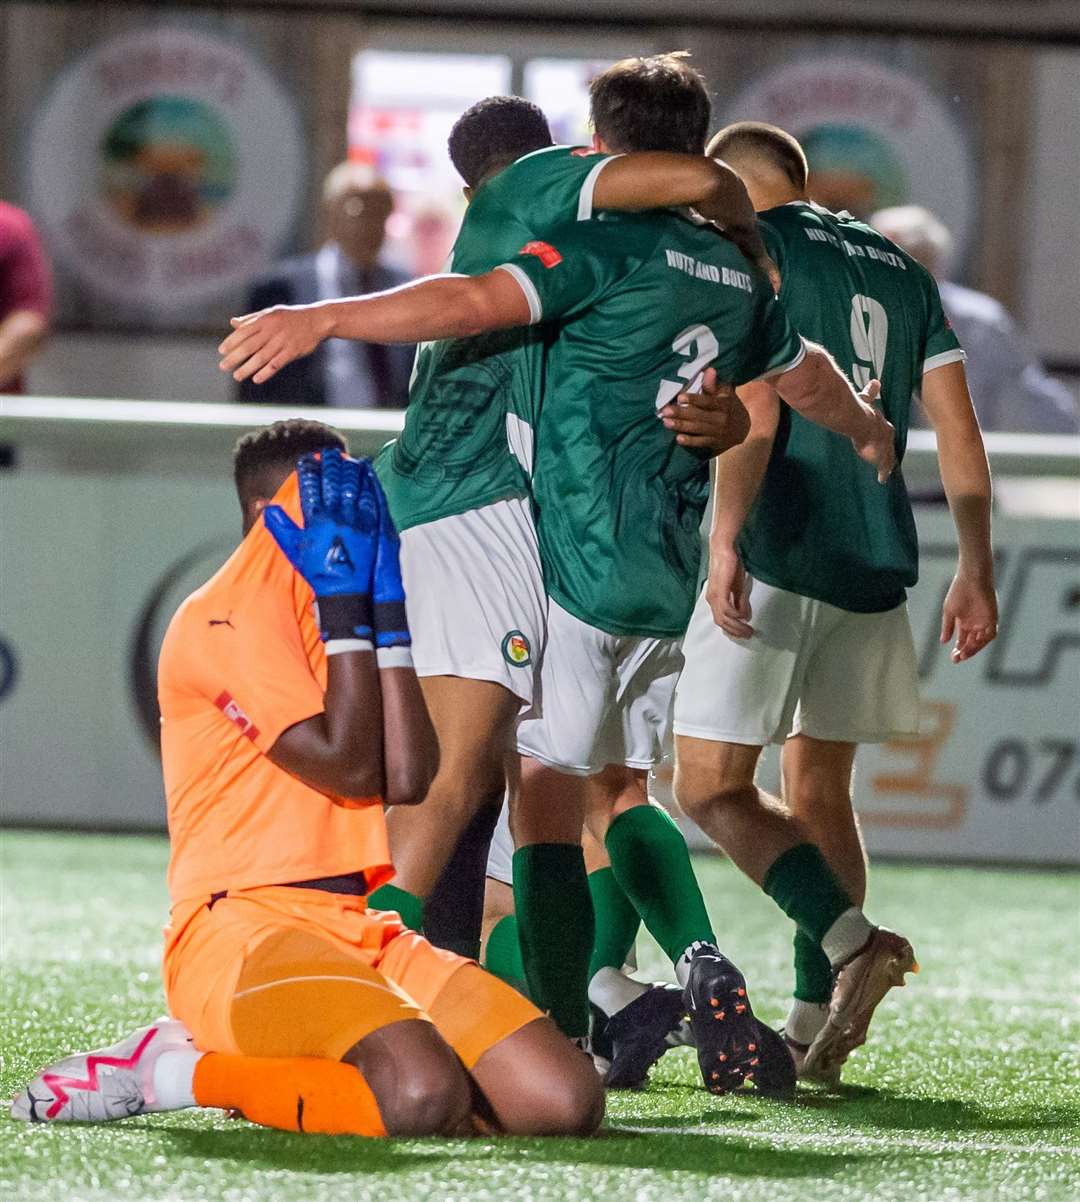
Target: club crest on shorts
{"points": [[516, 650]]}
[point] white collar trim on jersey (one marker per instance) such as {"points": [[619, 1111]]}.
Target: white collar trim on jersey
{"points": [[843, 214], [544, 150]]}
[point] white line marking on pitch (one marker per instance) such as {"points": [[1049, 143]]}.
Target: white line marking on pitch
{"points": [[854, 1142]]}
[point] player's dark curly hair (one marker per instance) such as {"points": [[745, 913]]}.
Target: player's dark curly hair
{"points": [[494, 132], [654, 103], [271, 448]]}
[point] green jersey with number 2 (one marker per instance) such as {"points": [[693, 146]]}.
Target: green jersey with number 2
{"points": [[645, 304], [822, 526], [467, 435]]}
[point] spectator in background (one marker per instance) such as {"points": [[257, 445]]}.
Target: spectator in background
{"points": [[340, 374], [1008, 385], [25, 296], [434, 229]]}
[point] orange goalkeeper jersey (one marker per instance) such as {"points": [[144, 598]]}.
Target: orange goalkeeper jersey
{"points": [[242, 662]]}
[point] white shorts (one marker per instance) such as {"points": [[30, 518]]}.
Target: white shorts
{"points": [[600, 698], [500, 865], [809, 668], [475, 595]]}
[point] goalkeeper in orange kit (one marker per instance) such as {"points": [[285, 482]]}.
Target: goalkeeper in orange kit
{"points": [[285, 728]]}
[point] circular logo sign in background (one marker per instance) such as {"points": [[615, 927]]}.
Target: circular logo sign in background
{"points": [[873, 136], [166, 168]]}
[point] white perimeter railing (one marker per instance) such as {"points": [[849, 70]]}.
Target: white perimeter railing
{"points": [[68, 423]]}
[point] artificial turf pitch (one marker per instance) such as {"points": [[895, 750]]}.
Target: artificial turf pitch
{"points": [[968, 1088]]}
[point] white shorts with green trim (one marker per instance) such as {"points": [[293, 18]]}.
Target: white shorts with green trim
{"points": [[474, 593], [810, 668], [600, 698]]}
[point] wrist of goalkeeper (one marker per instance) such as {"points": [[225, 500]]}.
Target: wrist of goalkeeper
{"points": [[346, 622], [393, 641]]}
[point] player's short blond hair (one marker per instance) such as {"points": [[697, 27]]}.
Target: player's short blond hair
{"points": [[760, 140]]}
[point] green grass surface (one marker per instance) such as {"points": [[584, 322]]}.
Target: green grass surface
{"points": [[968, 1088]]}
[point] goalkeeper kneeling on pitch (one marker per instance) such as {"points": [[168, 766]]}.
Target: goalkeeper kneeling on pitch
{"points": [[286, 726]]}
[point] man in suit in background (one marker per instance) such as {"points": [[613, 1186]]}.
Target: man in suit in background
{"points": [[340, 374]]}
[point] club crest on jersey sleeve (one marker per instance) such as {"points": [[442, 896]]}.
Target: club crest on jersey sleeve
{"points": [[516, 649]]}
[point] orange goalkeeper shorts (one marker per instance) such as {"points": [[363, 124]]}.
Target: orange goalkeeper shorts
{"points": [[280, 971]]}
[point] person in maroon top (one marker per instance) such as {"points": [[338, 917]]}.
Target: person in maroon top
{"points": [[25, 295]]}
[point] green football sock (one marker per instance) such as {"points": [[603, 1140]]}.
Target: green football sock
{"points": [[555, 926], [804, 886], [651, 862], [502, 956], [813, 972], [408, 905], [617, 922]]}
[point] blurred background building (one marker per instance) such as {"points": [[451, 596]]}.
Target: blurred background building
{"points": [[171, 155]]}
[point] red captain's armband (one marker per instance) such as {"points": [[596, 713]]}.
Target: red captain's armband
{"points": [[546, 253]]}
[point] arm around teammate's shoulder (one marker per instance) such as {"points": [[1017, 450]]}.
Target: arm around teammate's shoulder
{"points": [[661, 179], [819, 390]]}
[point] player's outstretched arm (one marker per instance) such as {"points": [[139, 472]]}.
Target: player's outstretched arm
{"points": [[440, 306], [736, 483], [820, 391], [661, 180], [970, 609]]}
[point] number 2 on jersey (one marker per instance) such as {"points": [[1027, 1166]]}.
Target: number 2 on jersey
{"points": [[698, 345], [869, 335]]}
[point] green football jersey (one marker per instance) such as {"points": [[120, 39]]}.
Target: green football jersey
{"points": [[822, 526], [645, 303], [459, 449]]}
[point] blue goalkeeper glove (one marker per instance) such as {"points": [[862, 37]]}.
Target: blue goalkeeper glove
{"points": [[336, 548], [391, 622]]}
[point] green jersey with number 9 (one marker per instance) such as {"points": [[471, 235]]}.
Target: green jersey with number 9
{"points": [[467, 439], [822, 526], [645, 303]]}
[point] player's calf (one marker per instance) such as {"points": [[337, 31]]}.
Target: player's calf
{"points": [[748, 825]]}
